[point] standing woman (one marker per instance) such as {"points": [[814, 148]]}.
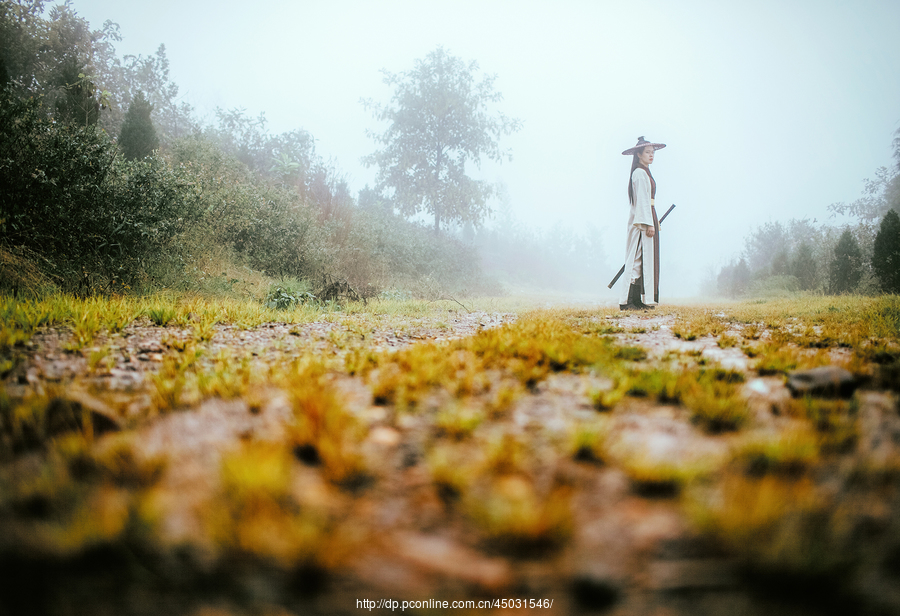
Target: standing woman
{"points": [[641, 289]]}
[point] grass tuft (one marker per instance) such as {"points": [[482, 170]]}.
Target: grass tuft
{"points": [[788, 452], [513, 517]]}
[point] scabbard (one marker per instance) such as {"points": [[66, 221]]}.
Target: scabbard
{"points": [[622, 270]]}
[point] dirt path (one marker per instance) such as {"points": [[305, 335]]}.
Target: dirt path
{"points": [[626, 548]]}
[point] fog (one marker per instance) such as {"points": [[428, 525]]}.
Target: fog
{"points": [[770, 110]]}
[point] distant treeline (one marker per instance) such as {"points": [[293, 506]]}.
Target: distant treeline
{"points": [[802, 255], [112, 185]]}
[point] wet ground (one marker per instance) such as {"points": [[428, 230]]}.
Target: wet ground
{"points": [[622, 548]]}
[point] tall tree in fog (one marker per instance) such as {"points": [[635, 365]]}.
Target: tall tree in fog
{"points": [[886, 255], [845, 270], [764, 244], [734, 279], [138, 137], [803, 266], [127, 76], [438, 121]]}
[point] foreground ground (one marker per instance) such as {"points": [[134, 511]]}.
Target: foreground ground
{"points": [[194, 458]]}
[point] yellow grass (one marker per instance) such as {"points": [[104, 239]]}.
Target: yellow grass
{"points": [[504, 477]]}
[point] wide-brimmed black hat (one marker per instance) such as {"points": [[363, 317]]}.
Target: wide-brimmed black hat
{"points": [[641, 144]]}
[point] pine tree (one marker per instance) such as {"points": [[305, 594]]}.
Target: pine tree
{"points": [[886, 253], [803, 266], [138, 137], [845, 270]]}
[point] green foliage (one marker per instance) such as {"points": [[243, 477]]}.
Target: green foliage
{"points": [[284, 297], [101, 222], [138, 137], [125, 78], [886, 255], [439, 120], [20, 26], [288, 158], [51, 54], [803, 266], [161, 314], [68, 87], [782, 258], [785, 258], [227, 198], [766, 244], [846, 268]]}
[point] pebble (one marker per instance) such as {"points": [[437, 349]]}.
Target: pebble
{"points": [[830, 381], [445, 557], [385, 436]]}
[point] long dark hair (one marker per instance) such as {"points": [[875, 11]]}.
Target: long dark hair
{"points": [[635, 163]]}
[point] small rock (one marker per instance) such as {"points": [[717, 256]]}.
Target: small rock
{"points": [[385, 436], [444, 557], [150, 346], [375, 414], [823, 381]]}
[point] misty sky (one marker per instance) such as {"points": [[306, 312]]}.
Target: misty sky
{"points": [[771, 110]]}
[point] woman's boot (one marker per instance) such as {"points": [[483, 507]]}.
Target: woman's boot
{"points": [[634, 298]]}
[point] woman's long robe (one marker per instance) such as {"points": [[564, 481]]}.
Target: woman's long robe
{"points": [[642, 252]]}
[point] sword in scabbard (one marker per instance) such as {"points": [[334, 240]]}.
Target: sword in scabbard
{"points": [[622, 270]]}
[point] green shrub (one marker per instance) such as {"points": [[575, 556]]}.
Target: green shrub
{"points": [[101, 222], [287, 295]]}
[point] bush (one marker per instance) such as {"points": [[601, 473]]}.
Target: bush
{"points": [[288, 294], [100, 222]]}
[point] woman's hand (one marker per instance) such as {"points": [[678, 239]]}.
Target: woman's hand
{"points": [[651, 231]]}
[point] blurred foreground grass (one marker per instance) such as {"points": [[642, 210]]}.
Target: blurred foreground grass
{"points": [[790, 489]]}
